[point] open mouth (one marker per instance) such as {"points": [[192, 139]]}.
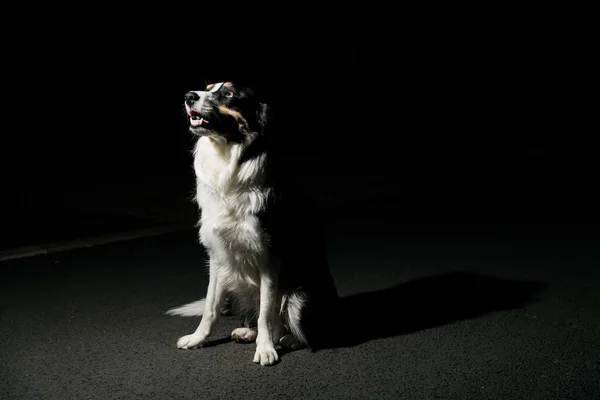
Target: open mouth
{"points": [[198, 120]]}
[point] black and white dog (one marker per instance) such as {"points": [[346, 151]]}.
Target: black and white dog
{"points": [[265, 251]]}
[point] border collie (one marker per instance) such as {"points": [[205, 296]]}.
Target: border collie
{"points": [[265, 250]]}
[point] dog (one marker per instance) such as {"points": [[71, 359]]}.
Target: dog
{"points": [[266, 252]]}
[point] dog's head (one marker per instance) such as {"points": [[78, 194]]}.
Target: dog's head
{"points": [[226, 110]]}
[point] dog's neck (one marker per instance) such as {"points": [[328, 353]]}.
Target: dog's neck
{"points": [[222, 165]]}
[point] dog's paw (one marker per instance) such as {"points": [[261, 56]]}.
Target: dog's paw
{"points": [[289, 342], [265, 355], [244, 335], [190, 342]]}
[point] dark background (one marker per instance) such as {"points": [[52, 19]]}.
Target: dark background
{"points": [[419, 117], [451, 151]]}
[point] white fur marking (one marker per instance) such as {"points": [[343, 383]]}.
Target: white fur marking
{"points": [[229, 196]]}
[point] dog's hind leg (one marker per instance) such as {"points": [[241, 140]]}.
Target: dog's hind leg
{"points": [[289, 342], [215, 298], [244, 335], [247, 332], [227, 309]]}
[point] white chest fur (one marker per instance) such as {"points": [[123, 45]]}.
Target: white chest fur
{"points": [[229, 196]]}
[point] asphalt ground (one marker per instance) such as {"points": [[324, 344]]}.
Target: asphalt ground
{"points": [[439, 304]]}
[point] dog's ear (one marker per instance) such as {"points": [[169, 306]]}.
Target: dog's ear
{"points": [[263, 117]]}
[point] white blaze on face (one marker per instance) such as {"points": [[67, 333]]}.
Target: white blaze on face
{"points": [[216, 87], [203, 94]]}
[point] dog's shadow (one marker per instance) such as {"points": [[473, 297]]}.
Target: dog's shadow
{"points": [[423, 304]]}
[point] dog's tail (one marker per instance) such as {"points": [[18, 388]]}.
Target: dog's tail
{"points": [[295, 306], [195, 309]]}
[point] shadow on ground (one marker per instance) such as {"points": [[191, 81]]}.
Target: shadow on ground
{"points": [[427, 303]]}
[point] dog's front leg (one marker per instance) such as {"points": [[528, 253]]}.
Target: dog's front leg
{"points": [[268, 317], [215, 297]]}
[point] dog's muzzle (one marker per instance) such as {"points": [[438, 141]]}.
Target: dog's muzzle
{"points": [[196, 100]]}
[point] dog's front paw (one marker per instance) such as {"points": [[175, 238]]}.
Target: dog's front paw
{"points": [[265, 354], [190, 342]]}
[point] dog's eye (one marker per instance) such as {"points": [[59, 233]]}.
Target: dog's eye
{"points": [[229, 94]]}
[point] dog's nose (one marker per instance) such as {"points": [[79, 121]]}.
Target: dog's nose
{"points": [[191, 97]]}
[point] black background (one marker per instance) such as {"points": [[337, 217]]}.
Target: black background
{"points": [[438, 113]]}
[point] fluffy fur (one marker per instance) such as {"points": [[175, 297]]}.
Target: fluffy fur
{"points": [[266, 254]]}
